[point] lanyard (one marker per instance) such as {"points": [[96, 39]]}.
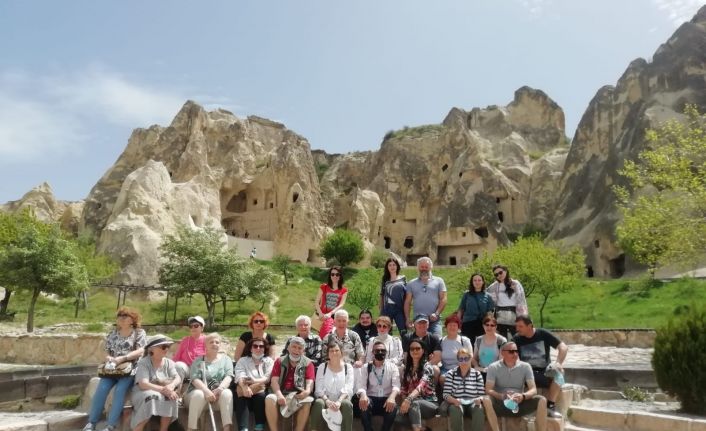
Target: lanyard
{"points": [[380, 377]]}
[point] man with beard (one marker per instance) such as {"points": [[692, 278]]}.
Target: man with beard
{"points": [[427, 294]]}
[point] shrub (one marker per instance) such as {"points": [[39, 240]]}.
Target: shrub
{"points": [[378, 258], [70, 402], [344, 246], [636, 393], [678, 360]]}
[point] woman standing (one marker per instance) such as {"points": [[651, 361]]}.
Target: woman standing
{"points": [[451, 344], [509, 298], [213, 386], [475, 304], [156, 383], [392, 291], [486, 348], [252, 376], [463, 394], [331, 298], [418, 389], [258, 322], [334, 389], [124, 344], [395, 354]]}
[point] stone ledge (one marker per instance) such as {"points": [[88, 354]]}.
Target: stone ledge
{"points": [[633, 420]]}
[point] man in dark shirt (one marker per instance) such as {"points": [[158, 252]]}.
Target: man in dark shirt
{"points": [[535, 345], [421, 332], [365, 328]]}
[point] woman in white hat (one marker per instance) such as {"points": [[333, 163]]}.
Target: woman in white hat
{"points": [[156, 383]]}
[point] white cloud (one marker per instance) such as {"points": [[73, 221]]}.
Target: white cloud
{"points": [[678, 11], [56, 115], [535, 7]]}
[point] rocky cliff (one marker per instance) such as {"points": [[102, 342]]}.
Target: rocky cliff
{"points": [[253, 177], [47, 208], [613, 129], [455, 189]]}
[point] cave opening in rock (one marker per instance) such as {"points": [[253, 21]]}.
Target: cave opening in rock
{"points": [[589, 271], [501, 216], [295, 196], [238, 203], [388, 242], [597, 244], [452, 260], [409, 242], [481, 232], [617, 266], [445, 167]]}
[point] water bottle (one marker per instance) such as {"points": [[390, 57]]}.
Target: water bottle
{"points": [[512, 405]]}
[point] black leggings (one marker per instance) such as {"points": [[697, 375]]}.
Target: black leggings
{"points": [[472, 329], [243, 405]]}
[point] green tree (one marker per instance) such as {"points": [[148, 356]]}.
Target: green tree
{"points": [[378, 257], [664, 204], [196, 261], [543, 268], [99, 267], [344, 246], [40, 259], [283, 265]]}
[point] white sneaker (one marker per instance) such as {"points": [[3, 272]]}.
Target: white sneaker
{"points": [[89, 427]]}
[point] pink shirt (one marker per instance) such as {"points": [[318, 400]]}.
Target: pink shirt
{"points": [[190, 349]]}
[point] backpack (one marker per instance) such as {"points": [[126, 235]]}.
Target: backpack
{"points": [[345, 368]]}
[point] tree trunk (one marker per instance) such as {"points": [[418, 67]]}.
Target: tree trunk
{"points": [[30, 310], [223, 301], [211, 308], [5, 301], [541, 310]]}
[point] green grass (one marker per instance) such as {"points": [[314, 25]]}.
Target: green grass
{"points": [[590, 304]]}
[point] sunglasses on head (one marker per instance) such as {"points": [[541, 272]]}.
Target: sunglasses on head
{"points": [[258, 321], [258, 346], [123, 315]]}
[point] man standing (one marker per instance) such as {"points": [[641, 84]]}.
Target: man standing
{"points": [[314, 345], [378, 386], [351, 346], [535, 345], [504, 386], [431, 341], [428, 294], [291, 374]]}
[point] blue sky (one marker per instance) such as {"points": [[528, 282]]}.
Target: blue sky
{"points": [[76, 77]]}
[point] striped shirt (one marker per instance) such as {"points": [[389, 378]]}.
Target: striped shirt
{"points": [[460, 387]]}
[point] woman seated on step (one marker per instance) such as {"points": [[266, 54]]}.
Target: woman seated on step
{"points": [[156, 383], [252, 377], [211, 376]]}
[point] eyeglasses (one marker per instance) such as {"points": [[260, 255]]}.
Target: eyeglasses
{"points": [[464, 358], [122, 315], [490, 325], [380, 351], [335, 274], [415, 349], [512, 352], [258, 346], [194, 326], [498, 274], [258, 321], [382, 325]]}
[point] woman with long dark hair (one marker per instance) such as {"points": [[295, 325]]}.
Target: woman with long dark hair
{"points": [[331, 298], [392, 291], [475, 304], [252, 377], [509, 298], [418, 389]]}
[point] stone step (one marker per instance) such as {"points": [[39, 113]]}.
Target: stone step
{"points": [[610, 420], [571, 427]]}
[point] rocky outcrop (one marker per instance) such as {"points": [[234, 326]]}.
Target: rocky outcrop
{"points": [[612, 130], [454, 190], [47, 208], [253, 177]]}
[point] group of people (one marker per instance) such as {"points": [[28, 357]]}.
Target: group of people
{"points": [[324, 381]]}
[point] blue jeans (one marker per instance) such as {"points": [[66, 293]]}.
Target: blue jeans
{"points": [[122, 386], [435, 328], [397, 316]]}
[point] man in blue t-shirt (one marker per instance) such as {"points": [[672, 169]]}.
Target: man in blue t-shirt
{"points": [[535, 345], [428, 293]]}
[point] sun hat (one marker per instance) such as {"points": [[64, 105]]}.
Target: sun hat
{"points": [[198, 319], [333, 418], [158, 340], [292, 404]]}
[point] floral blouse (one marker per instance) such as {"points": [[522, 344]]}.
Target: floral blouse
{"points": [[425, 384], [117, 345]]}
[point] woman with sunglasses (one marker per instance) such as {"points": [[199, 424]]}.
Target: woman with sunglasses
{"points": [[252, 376], [475, 304], [123, 344], [395, 354], [486, 348], [417, 387], [211, 376], [331, 298], [258, 322], [451, 344], [509, 298], [392, 293], [156, 383], [463, 394], [190, 347]]}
